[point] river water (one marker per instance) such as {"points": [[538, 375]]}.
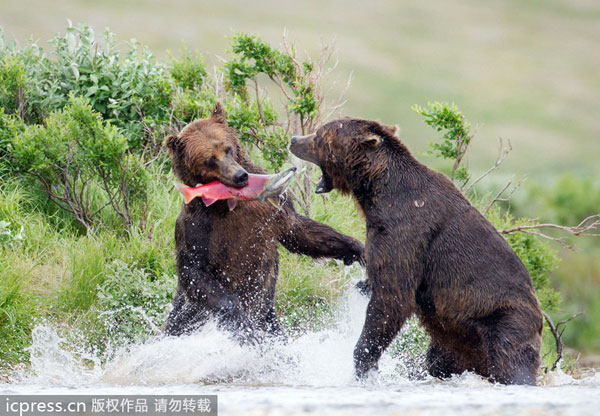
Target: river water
{"points": [[311, 374]]}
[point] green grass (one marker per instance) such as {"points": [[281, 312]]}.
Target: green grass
{"points": [[54, 271]]}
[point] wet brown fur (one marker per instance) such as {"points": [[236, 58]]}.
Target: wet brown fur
{"points": [[430, 253], [227, 261]]}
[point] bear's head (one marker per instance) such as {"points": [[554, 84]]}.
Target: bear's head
{"points": [[207, 150], [350, 152]]}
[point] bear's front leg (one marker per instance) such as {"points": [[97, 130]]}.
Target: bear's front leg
{"points": [[309, 237], [392, 303], [382, 324]]}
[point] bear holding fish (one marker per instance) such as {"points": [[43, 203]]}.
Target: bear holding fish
{"points": [[226, 251]]}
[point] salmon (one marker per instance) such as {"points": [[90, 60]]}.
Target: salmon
{"points": [[258, 187]]}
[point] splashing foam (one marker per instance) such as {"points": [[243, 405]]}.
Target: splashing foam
{"points": [[322, 358], [210, 356], [52, 362]]}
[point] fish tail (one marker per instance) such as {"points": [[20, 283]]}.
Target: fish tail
{"points": [[185, 191]]}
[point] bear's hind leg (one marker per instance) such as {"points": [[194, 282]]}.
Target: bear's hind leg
{"points": [[184, 317], [441, 363], [514, 367], [513, 350]]}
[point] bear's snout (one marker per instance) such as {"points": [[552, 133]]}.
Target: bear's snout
{"points": [[302, 147], [240, 177]]}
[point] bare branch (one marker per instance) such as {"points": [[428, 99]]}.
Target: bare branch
{"points": [[340, 101], [262, 116], [590, 223], [295, 197], [557, 333], [560, 240], [498, 197], [503, 152], [290, 51]]}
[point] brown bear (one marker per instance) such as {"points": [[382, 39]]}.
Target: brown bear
{"points": [[227, 261], [429, 252]]}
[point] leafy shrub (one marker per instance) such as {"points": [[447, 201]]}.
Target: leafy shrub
{"points": [[83, 164], [300, 83], [132, 303], [456, 138], [256, 124], [195, 93], [252, 57], [129, 91], [188, 71], [13, 84], [10, 127]]}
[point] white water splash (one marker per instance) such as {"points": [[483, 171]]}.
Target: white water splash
{"points": [[53, 363], [310, 374]]}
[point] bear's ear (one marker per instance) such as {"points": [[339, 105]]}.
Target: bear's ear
{"points": [[171, 142], [383, 130], [218, 114], [391, 131], [371, 140]]}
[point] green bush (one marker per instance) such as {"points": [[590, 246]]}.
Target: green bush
{"points": [[188, 71], [132, 303], [130, 90], [13, 84], [83, 164], [195, 92], [296, 80], [146, 100], [571, 199], [455, 140], [71, 280], [10, 127]]}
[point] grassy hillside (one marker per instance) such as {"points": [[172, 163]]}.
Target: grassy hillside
{"points": [[525, 70]]}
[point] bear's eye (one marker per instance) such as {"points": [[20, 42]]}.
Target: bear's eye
{"points": [[211, 161], [228, 151]]}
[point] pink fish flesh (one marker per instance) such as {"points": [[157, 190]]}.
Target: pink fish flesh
{"points": [[258, 187]]}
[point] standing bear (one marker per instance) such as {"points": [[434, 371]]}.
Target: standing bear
{"points": [[429, 253], [227, 261]]}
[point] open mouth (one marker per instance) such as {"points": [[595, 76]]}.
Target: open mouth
{"points": [[325, 183]]}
